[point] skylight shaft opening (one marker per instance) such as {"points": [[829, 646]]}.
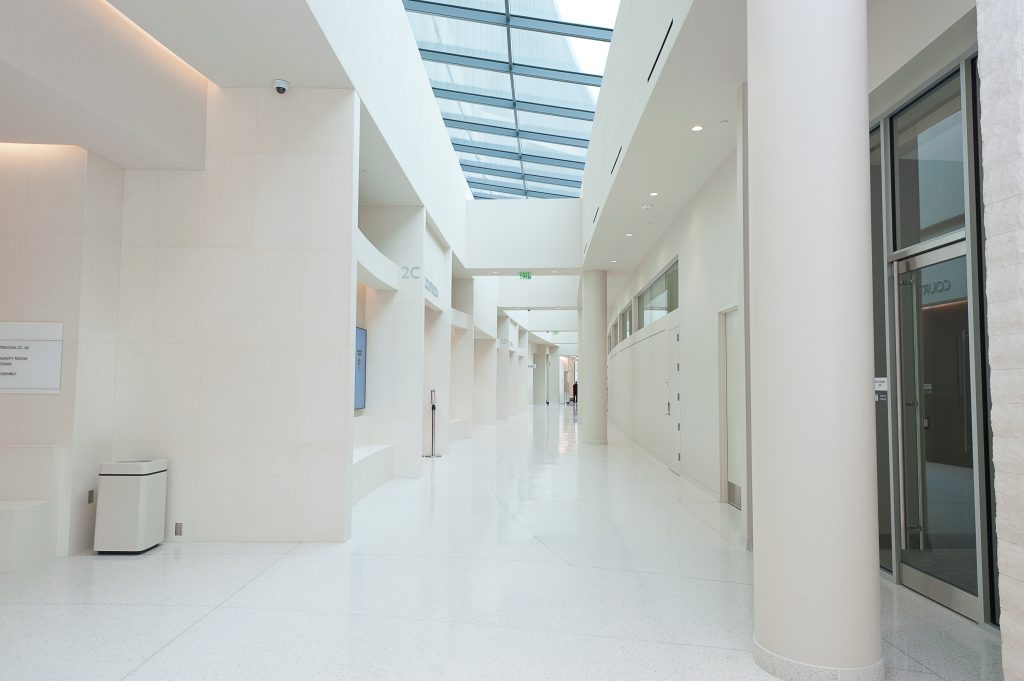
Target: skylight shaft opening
{"points": [[517, 83]]}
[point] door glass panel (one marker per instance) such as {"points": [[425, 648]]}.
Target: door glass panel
{"points": [[884, 470], [938, 458], [929, 166]]}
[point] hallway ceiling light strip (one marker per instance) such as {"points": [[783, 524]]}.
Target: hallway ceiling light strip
{"points": [[516, 70]]}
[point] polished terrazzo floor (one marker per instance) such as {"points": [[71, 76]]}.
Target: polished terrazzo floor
{"points": [[520, 555]]}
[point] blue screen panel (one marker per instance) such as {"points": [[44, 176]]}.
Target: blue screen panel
{"points": [[360, 368]]}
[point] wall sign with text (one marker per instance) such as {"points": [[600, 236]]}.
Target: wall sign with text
{"points": [[30, 357]]}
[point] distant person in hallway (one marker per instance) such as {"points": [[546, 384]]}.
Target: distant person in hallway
{"points": [[575, 391]]}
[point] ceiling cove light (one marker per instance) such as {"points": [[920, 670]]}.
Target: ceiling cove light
{"points": [[697, 128], [653, 193]]}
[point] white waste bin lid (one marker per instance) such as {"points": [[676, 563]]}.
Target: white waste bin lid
{"points": [[134, 467]]}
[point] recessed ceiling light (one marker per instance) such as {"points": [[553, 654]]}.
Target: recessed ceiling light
{"points": [[629, 233], [647, 206], [494, 272], [554, 271], [697, 128], [654, 193], [614, 260]]}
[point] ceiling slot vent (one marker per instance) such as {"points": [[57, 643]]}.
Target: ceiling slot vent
{"points": [[616, 163], [660, 50]]}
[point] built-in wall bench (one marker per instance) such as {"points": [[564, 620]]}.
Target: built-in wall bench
{"points": [[372, 466], [27, 530]]}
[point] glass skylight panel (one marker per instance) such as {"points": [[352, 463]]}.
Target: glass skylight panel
{"points": [[600, 13], [455, 36], [555, 125], [486, 5], [469, 80], [477, 113], [487, 194], [495, 181], [484, 140], [547, 50], [556, 93], [556, 151], [517, 83], [554, 189], [483, 161], [545, 170]]}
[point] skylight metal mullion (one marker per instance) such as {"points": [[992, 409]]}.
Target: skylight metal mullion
{"points": [[513, 156], [517, 104], [487, 170], [496, 188], [560, 28], [533, 194], [512, 20], [511, 174], [512, 84], [561, 181], [516, 69], [521, 134]]}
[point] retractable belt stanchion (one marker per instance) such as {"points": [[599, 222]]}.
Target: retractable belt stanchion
{"points": [[433, 426]]}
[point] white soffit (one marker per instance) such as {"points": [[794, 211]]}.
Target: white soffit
{"points": [[243, 43], [698, 85], [78, 72]]}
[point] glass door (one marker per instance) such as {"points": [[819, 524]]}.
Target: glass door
{"points": [[937, 461]]}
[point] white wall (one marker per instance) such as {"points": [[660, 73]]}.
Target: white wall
{"points": [[396, 354], [60, 234], [554, 320], [706, 239], [523, 235], [377, 50], [237, 315], [463, 353], [485, 305], [93, 425], [543, 291], [437, 356], [899, 29], [485, 377]]}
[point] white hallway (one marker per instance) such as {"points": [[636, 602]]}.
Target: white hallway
{"points": [[519, 555]]}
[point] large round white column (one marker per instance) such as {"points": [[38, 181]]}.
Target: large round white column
{"points": [[816, 575], [593, 391]]}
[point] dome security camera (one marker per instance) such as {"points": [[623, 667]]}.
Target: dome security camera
{"points": [[281, 86]]}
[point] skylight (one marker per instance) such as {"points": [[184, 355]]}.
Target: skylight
{"points": [[517, 82]]}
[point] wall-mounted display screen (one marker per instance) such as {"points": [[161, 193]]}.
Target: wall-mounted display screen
{"points": [[360, 368]]}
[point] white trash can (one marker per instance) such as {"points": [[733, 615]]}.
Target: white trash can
{"points": [[132, 505]]}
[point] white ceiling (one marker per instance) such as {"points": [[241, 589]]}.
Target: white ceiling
{"points": [[698, 85], [242, 43], [77, 72]]}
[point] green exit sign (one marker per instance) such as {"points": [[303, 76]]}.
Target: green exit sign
{"points": [[526, 275]]}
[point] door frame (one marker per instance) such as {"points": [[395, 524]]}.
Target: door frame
{"points": [[981, 608], [966, 604], [723, 404]]}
